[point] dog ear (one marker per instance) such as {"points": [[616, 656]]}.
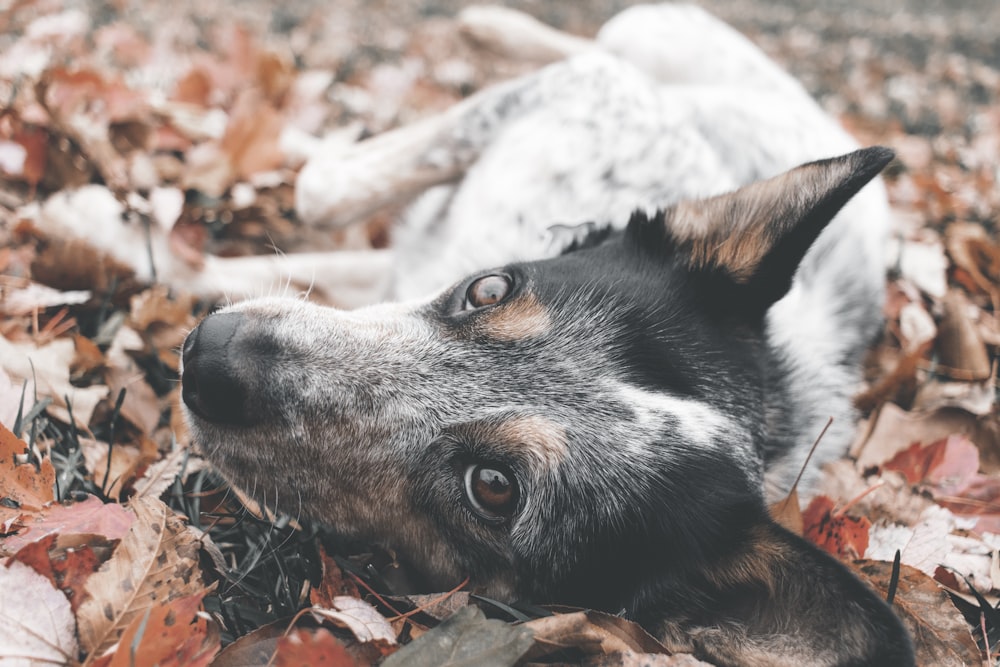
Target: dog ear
{"points": [[757, 236]]}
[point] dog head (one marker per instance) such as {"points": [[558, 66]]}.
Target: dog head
{"points": [[538, 426]]}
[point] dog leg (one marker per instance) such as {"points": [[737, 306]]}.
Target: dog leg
{"points": [[93, 214], [518, 36], [340, 188]]}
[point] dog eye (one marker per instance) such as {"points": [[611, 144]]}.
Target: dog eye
{"points": [[486, 291], [491, 490]]}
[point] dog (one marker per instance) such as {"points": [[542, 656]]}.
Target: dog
{"points": [[626, 304]]}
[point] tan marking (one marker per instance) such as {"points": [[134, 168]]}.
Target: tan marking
{"points": [[736, 230], [756, 562], [544, 439], [519, 319]]}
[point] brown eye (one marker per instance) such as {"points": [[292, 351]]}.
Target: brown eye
{"points": [[491, 490], [486, 291]]}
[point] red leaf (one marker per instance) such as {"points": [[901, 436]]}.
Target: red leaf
{"points": [[840, 534], [88, 516], [67, 568]]}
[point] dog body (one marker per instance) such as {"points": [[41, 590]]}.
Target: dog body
{"points": [[630, 346]]}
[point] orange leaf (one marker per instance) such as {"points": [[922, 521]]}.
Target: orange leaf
{"points": [[168, 634], [31, 489], [319, 648], [840, 534]]}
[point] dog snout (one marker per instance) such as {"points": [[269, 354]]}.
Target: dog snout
{"points": [[210, 385]]}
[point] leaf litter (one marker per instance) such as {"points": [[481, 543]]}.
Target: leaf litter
{"points": [[139, 150]]}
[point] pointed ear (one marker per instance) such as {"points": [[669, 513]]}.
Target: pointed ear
{"points": [[757, 236]]}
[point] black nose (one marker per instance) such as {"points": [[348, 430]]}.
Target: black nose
{"points": [[210, 385]]}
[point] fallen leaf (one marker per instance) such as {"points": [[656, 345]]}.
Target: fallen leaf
{"points": [[46, 368], [788, 513], [312, 647], [974, 252], [168, 634], [67, 568], [22, 483], [88, 516], [940, 634], [333, 584], [895, 430], [254, 648], [838, 533], [36, 622], [467, 638], [362, 619], [156, 561], [960, 348], [125, 463], [592, 632], [252, 138]]}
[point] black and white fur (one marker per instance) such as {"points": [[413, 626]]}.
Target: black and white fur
{"points": [[637, 381]]}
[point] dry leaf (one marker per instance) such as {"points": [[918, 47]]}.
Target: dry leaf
{"points": [[333, 584], [125, 462], [940, 634], [254, 648], [49, 365], [788, 513], [168, 634], [838, 533], [160, 475], [362, 619], [68, 568], [36, 622], [312, 647], [88, 516], [22, 483], [157, 561], [959, 345], [591, 632], [895, 430]]}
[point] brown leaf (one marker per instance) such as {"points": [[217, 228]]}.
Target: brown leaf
{"points": [[591, 632], [332, 584], [125, 463], [141, 406], [157, 561], [169, 634], [254, 648], [21, 483], [251, 138], [974, 252], [35, 141], [312, 647], [788, 513], [940, 634], [959, 345], [838, 533]]}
